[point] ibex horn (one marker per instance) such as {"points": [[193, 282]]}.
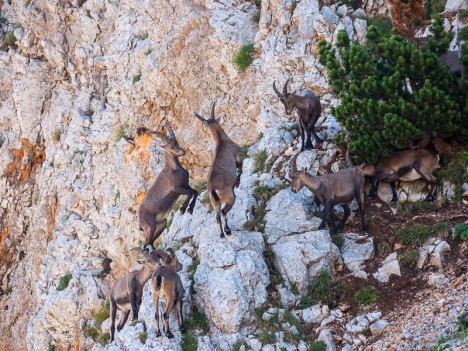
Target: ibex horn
{"points": [[293, 163], [169, 129], [170, 252], [276, 90], [213, 109], [285, 88]]}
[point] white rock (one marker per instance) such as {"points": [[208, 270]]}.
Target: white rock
{"points": [[437, 256], [315, 313], [455, 5], [437, 279], [378, 327], [254, 344], [357, 325], [390, 266], [327, 337], [342, 11], [355, 251]]}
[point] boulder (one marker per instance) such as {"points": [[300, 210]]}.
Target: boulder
{"points": [[355, 251], [390, 266]]}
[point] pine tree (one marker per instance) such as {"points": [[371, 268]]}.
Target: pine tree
{"points": [[393, 92]]}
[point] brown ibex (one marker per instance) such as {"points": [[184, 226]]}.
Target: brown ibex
{"points": [[338, 188], [225, 171], [405, 165], [127, 292], [172, 182], [308, 108], [166, 283]]}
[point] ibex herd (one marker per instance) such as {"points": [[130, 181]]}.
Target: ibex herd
{"points": [[339, 188]]}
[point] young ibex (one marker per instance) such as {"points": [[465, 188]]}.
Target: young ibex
{"points": [[338, 188], [405, 165], [127, 292], [308, 108], [172, 182], [166, 283], [225, 171]]}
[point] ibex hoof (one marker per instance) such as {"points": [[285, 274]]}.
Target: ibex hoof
{"points": [[170, 335], [158, 334], [190, 210], [365, 228], [321, 227], [182, 210], [222, 235], [135, 321], [228, 231], [182, 329]]}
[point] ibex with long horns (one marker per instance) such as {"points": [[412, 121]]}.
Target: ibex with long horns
{"points": [[127, 292], [172, 182], [405, 165], [308, 108], [225, 170], [338, 188]]}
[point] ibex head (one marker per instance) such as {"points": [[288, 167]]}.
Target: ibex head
{"points": [[286, 98], [212, 122], [171, 261], [152, 259], [296, 177], [169, 143]]}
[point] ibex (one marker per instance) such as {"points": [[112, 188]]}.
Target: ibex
{"points": [[166, 283], [225, 171], [127, 292], [338, 188], [308, 108], [405, 165], [172, 182]]}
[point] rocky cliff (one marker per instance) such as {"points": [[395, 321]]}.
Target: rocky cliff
{"points": [[80, 75]]}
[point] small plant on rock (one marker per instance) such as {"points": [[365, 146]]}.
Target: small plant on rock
{"points": [[318, 346], [198, 320], [410, 258], [51, 347], [64, 281], [460, 230], [136, 78], [142, 337], [260, 159], [462, 322], [189, 342], [323, 289], [243, 58], [367, 296], [121, 131]]}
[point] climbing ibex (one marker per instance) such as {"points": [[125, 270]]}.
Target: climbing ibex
{"points": [[405, 165], [127, 292], [338, 188], [225, 170], [166, 283], [172, 182], [308, 108]]}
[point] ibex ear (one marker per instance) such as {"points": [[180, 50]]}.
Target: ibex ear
{"points": [[129, 140], [218, 120]]}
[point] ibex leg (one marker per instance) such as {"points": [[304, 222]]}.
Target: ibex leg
{"points": [[123, 320], [216, 203], [229, 200], [326, 209], [428, 177], [148, 224], [316, 137], [113, 313], [362, 210], [194, 199], [346, 214], [159, 229], [393, 185], [185, 190], [180, 316], [156, 311], [167, 311], [301, 125]]}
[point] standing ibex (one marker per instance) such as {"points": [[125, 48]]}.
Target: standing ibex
{"points": [[338, 188], [405, 165], [166, 283], [308, 108], [172, 182], [127, 292], [225, 170]]}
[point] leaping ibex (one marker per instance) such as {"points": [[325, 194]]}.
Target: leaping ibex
{"points": [[127, 292], [225, 170], [172, 182], [166, 283], [308, 108], [405, 165], [338, 188]]}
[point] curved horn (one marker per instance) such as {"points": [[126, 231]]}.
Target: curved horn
{"points": [[159, 135], [349, 160], [293, 164], [140, 250], [213, 109], [170, 252], [285, 88], [276, 90], [171, 133], [199, 117]]}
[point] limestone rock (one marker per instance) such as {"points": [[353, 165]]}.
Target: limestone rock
{"points": [[378, 327], [327, 337], [315, 314], [355, 251], [390, 266]]}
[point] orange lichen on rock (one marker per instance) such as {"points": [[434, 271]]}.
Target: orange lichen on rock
{"points": [[139, 146], [140, 196], [25, 161]]}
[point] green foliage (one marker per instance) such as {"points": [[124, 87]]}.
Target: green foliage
{"points": [[63, 282], [103, 338], [381, 26], [51, 347], [237, 346], [101, 315], [262, 194], [189, 342], [409, 208], [121, 131], [463, 15], [462, 322], [91, 332], [256, 17], [142, 36], [267, 337], [260, 159], [291, 128], [418, 233], [27, 3], [460, 230], [244, 149], [434, 7], [116, 198], [366, 296], [323, 289], [392, 92], [410, 258], [463, 34], [142, 337], [318, 346], [198, 320], [136, 78], [243, 58], [292, 320], [56, 135], [200, 186], [338, 240]]}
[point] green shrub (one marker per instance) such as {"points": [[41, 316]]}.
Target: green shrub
{"points": [[455, 172], [260, 161], [410, 258], [434, 7], [256, 17], [63, 283], [121, 131], [91, 332], [103, 338], [323, 289], [462, 322], [51, 347], [463, 15], [290, 318], [136, 78], [318, 346], [366, 296], [386, 101], [266, 337], [237, 346], [460, 230], [142, 337], [142, 36], [418, 233], [383, 25], [101, 315], [463, 34], [198, 320], [244, 149], [243, 58], [189, 342]]}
